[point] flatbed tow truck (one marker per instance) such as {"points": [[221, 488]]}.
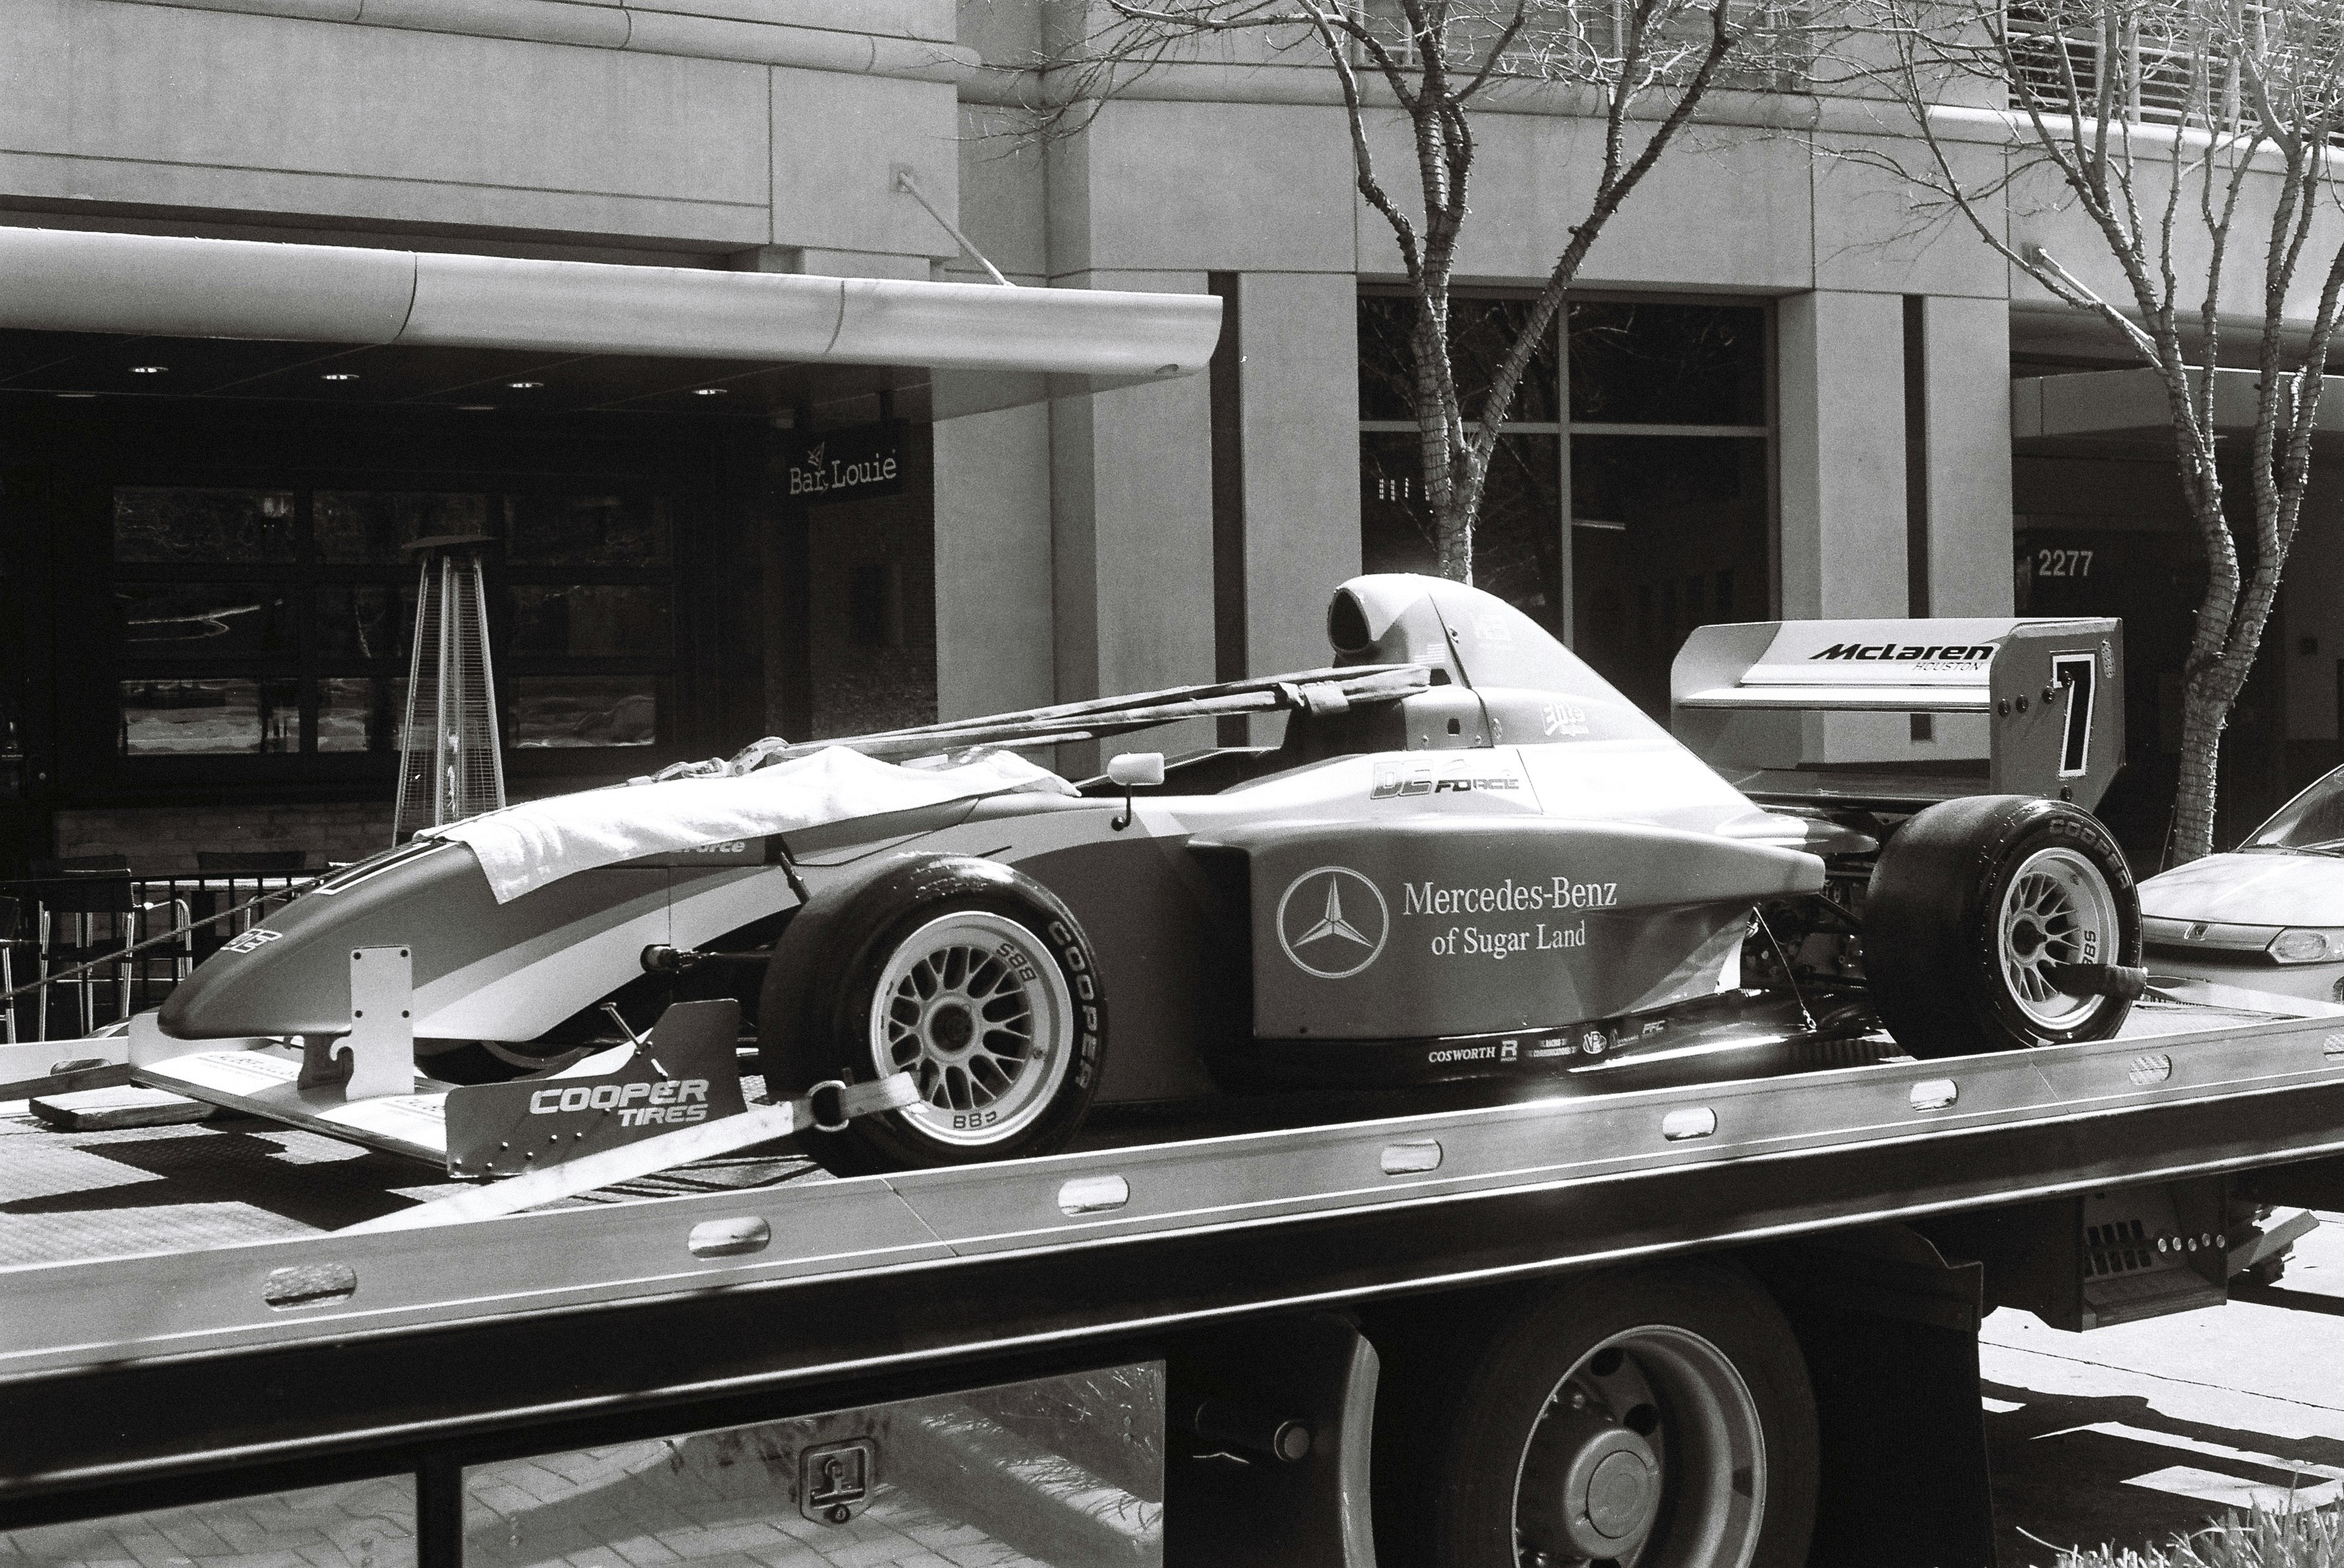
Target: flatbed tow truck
{"points": [[1714, 1307], [1303, 1301]]}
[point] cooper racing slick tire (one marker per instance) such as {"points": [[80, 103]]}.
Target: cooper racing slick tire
{"points": [[1975, 905], [965, 973], [1660, 1418]]}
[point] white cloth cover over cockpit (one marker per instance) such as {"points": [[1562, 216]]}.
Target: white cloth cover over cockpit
{"points": [[524, 847]]}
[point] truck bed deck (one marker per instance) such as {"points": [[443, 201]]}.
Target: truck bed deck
{"points": [[143, 1260]]}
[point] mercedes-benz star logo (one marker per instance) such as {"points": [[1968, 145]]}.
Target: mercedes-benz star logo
{"points": [[1333, 922]]}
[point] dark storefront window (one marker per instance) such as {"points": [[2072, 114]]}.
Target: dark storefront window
{"points": [[279, 621], [1659, 479]]}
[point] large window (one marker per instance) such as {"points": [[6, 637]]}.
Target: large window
{"points": [[1630, 499], [278, 620]]}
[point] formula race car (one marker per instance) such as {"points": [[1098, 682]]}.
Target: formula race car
{"points": [[1467, 857]]}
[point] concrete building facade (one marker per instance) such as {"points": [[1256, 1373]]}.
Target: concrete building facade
{"points": [[203, 532]]}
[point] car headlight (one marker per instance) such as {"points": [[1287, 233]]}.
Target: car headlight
{"points": [[2300, 944]]}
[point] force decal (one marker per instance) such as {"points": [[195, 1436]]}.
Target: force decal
{"points": [[1333, 922], [1465, 776]]}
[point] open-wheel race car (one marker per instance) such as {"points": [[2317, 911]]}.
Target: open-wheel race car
{"points": [[1468, 855]]}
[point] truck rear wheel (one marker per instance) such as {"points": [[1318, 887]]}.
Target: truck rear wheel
{"points": [[968, 975], [1980, 909], [1660, 1418]]}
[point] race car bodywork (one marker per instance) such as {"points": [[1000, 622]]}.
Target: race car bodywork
{"points": [[1468, 855]]}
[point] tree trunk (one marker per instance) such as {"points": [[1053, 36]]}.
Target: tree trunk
{"points": [[2205, 709], [1453, 532]]}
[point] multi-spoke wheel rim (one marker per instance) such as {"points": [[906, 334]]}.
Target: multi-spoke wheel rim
{"points": [[1648, 1453], [2057, 910], [973, 1004]]}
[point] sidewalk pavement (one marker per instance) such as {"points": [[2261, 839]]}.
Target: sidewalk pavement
{"points": [[2128, 1435]]}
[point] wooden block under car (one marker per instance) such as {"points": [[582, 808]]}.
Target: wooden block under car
{"points": [[86, 1073], [106, 1110]]}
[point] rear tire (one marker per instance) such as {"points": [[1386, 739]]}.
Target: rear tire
{"points": [[1972, 905], [965, 973], [1660, 1418]]}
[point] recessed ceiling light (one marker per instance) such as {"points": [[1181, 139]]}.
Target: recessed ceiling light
{"points": [[148, 369], [524, 385], [76, 394], [710, 392], [339, 376], [474, 408]]}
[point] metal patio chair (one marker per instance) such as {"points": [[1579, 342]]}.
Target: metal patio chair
{"points": [[97, 895]]}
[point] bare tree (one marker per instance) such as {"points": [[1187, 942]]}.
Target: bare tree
{"points": [[1644, 65], [2193, 138]]}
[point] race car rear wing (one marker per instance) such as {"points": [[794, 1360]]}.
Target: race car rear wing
{"points": [[2049, 693]]}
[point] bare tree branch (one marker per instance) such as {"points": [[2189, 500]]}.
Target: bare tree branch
{"points": [[1418, 66], [2233, 106]]}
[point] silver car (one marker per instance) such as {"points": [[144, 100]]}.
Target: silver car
{"points": [[2269, 915]]}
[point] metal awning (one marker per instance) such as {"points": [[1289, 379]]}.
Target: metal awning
{"points": [[971, 346], [2115, 411]]}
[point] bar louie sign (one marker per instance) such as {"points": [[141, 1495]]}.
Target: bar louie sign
{"points": [[842, 465]]}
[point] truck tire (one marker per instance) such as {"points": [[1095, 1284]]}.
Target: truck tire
{"points": [[1660, 1418], [965, 972], [1973, 906]]}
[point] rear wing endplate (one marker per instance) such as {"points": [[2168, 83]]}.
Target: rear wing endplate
{"points": [[2049, 693]]}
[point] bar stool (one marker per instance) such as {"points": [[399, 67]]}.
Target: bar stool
{"points": [[12, 915], [85, 887]]}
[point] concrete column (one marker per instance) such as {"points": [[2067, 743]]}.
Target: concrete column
{"points": [[1966, 354], [1132, 543], [994, 634], [1841, 445], [1841, 440], [1300, 395]]}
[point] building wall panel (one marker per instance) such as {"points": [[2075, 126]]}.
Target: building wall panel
{"points": [[1299, 337], [204, 109]]}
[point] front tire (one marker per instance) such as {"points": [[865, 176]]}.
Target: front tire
{"points": [[964, 973], [1974, 907]]}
